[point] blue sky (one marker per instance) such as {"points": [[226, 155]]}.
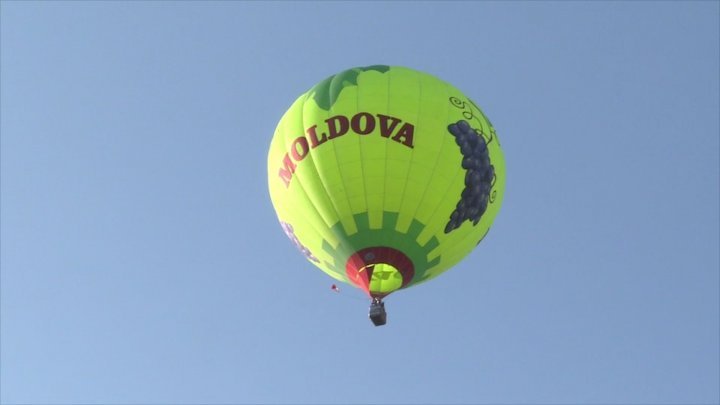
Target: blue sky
{"points": [[142, 261]]}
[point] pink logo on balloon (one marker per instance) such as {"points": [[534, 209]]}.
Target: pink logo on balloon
{"points": [[291, 234]]}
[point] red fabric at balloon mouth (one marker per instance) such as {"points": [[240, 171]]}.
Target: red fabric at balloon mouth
{"points": [[366, 258]]}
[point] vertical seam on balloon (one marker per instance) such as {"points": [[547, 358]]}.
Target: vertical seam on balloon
{"points": [[288, 147], [323, 183], [316, 170], [437, 158], [404, 183], [337, 163], [386, 173], [388, 98], [388, 110], [450, 183], [417, 119], [396, 235], [418, 114], [420, 272], [360, 149]]}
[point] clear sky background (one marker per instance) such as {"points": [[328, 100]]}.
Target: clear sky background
{"points": [[142, 261]]}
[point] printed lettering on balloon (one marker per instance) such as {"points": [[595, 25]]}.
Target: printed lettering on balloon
{"points": [[361, 124]]}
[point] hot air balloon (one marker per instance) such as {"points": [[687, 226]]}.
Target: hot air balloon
{"points": [[384, 177]]}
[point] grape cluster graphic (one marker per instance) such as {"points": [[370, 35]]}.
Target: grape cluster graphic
{"points": [[479, 175]]}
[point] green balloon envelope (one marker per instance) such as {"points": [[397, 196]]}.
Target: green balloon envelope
{"points": [[384, 177]]}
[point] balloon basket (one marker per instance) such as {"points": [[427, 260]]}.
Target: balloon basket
{"points": [[377, 314]]}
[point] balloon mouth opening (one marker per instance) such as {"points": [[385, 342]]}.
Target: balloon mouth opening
{"points": [[379, 270]]}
